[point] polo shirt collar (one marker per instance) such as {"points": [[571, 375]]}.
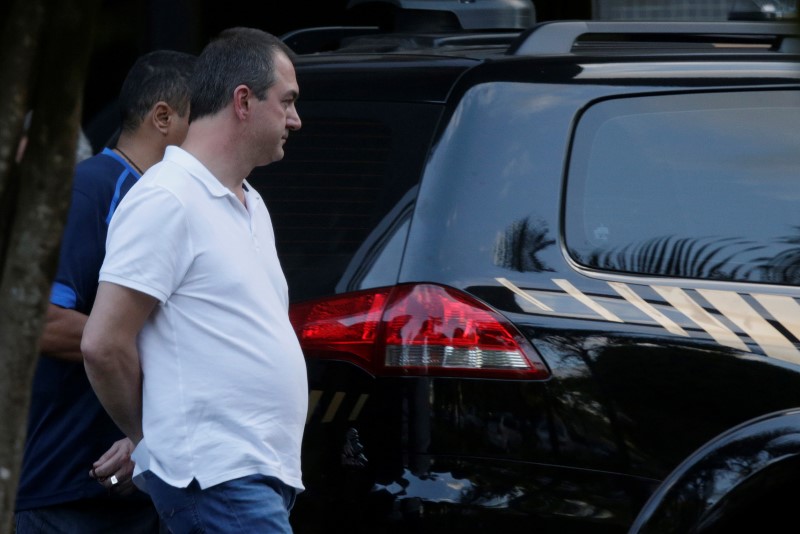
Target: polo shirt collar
{"points": [[197, 170]]}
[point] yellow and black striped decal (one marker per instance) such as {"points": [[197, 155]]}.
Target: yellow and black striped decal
{"points": [[331, 406]]}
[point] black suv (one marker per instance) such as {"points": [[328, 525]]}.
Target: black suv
{"points": [[546, 279]]}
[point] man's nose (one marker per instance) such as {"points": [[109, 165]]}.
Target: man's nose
{"points": [[293, 121]]}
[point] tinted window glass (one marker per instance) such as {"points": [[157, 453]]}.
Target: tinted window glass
{"points": [[342, 174], [699, 186]]}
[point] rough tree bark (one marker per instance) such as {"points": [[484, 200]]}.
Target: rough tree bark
{"points": [[44, 52]]}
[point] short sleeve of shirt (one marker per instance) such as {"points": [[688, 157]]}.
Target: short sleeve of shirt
{"points": [[97, 182], [80, 256], [148, 246]]}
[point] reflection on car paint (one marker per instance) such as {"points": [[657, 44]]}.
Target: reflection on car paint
{"points": [[433, 487]]}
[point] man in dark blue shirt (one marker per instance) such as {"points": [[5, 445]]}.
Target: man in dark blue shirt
{"points": [[76, 470]]}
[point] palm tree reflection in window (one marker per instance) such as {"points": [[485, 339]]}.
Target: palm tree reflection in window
{"points": [[518, 247], [784, 267], [710, 258]]}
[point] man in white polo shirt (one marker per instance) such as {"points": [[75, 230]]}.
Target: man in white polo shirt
{"points": [[189, 345]]}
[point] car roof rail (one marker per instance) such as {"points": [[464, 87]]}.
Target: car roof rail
{"points": [[372, 39], [564, 37], [323, 38], [471, 15]]}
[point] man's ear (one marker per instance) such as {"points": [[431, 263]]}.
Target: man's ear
{"points": [[241, 101], [162, 117]]}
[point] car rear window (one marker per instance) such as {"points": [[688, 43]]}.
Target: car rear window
{"points": [[342, 175], [688, 185]]}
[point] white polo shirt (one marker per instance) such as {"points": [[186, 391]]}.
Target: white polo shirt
{"points": [[225, 387]]}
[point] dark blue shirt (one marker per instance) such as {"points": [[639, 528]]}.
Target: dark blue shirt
{"points": [[68, 429]]}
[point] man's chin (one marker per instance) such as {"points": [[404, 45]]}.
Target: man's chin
{"points": [[275, 156]]}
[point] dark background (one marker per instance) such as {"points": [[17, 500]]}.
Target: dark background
{"points": [[129, 28]]}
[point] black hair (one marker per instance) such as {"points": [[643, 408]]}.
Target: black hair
{"points": [[161, 75]]}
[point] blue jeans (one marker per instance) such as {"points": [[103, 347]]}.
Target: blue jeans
{"points": [[254, 503]]}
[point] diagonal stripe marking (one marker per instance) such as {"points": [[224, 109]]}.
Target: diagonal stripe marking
{"points": [[684, 303], [510, 285], [313, 400], [630, 295], [354, 413], [785, 310], [333, 407], [585, 299], [740, 313]]}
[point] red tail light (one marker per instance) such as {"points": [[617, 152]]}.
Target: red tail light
{"points": [[416, 329]]}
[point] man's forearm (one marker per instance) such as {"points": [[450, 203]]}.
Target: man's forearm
{"points": [[117, 381], [111, 356], [61, 336]]}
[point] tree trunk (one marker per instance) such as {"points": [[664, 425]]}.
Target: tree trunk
{"points": [[43, 59]]}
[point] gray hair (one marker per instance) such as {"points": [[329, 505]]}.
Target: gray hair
{"points": [[238, 56]]}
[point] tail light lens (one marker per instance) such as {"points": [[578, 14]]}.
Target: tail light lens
{"points": [[416, 330]]}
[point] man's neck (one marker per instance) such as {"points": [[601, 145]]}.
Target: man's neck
{"points": [[209, 142], [138, 153]]}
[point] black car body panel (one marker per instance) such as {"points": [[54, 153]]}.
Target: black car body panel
{"points": [[494, 179], [752, 467]]}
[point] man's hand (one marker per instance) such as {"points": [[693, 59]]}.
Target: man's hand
{"points": [[113, 470]]}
